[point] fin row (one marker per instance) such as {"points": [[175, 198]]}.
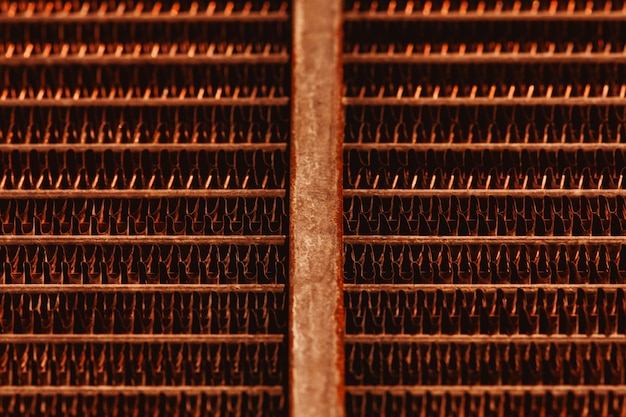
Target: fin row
{"points": [[491, 207], [495, 402], [147, 364], [488, 159], [154, 50], [149, 6], [122, 94], [130, 254], [526, 170], [479, 226], [486, 312], [464, 93], [485, 264], [143, 170], [381, 30], [109, 161], [505, 79], [461, 6], [167, 81], [521, 363], [150, 217], [463, 218], [528, 49], [118, 29], [508, 133], [157, 208], [542, 124], [148, 264], [235, 403], [128, 125], [141, 135], [90, 225], [143, 313]]}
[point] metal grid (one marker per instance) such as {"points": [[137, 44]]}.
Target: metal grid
{"points": [[150, 262], [483, 208], [143, 169]]}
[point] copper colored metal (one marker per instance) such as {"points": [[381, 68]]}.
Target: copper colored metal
{"points": [[143, 213], [485, 254], [316, 266]]}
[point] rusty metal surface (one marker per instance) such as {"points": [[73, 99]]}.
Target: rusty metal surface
{"points": [[315, 279]]}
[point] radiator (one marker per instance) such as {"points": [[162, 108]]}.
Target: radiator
{"points": [[169, 173]]}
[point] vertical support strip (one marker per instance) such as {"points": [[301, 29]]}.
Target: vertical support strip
{"points": [[316, 251]]}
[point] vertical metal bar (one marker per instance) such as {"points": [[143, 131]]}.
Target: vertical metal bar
{"points": [[316, 252]]}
